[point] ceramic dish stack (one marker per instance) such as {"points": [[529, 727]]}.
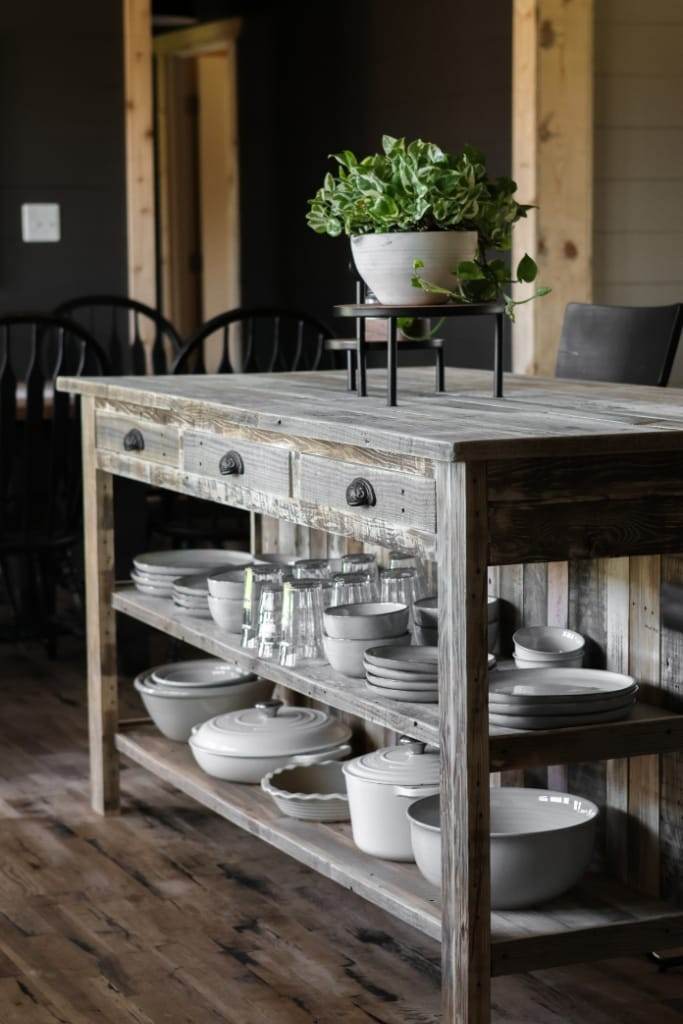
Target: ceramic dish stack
{"points": [[426, 621], [183, 694], [403, 673], [548, 647], [190, 595], [225, 598], [153, 573], [351, 628], [556, 698]]}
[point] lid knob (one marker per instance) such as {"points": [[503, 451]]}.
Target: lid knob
{"points": [[269, 708]]}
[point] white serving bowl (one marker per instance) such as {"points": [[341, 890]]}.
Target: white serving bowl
{"points": [[541, 843], [346, 656], [176, 710], [426, 617], [369, 620], [315, 792], [575, 661], [227, 584], [226, 613]]}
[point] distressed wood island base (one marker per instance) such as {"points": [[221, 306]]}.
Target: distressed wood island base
{"points": [[565, 495]]}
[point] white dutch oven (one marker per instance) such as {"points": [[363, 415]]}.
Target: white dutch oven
{"points": [[381, 786], [243, 746]]}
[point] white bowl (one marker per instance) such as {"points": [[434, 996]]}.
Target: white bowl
{"points": [[227, 584], [315, 792], [175, 711], [543, 641], [226, 613], [575, 661], [346, 656], [369, 620], [541, 843], [426, 612]]}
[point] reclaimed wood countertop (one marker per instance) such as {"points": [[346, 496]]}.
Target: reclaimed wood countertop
{"points": [[537, 417]]}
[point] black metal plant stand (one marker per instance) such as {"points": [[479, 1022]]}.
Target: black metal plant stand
{"points": [[361, 311]]}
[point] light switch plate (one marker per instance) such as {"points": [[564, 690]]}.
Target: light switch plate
{"points": [[40, 222]]}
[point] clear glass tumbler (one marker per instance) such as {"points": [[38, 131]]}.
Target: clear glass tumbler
{"points": [[425, 584], [302, 622], [312, 568], [399, 586], [255, 576], [269, 628], [352, 588]]}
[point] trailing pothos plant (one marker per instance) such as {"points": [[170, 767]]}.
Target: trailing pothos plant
{"points": [[416, 186]]}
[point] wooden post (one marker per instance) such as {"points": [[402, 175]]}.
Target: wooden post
{"points": [[98, 523], [463, 625], [552, 163], [137, 55]]}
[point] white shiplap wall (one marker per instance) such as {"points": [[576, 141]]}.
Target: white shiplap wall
{"points": [[638, 245]]}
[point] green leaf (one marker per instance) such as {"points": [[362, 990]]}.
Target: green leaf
{"points": [[418, 264], [469, 270], [526, 269]]}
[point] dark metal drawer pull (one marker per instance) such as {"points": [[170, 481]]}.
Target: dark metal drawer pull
{"points": [[134, 441], [231, 464], [360, 492]]}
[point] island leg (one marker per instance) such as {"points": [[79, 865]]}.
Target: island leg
{"points": [[98, 524], [463, 674]]}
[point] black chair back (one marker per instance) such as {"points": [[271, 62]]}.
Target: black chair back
{"points": [[271, 340], [125, 328], [622, 344], [40, 458]]}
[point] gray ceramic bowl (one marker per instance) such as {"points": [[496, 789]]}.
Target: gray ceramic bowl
{"points": [[371, 620], [175, 711], [545, 643], [227, 584], [541, 843], [346, 656], [226, 613]]}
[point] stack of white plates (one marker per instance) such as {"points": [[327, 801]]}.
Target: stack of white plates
{"points": [[548, 647], [555, 698], [403, 673], [191, 595], [154, 572]]}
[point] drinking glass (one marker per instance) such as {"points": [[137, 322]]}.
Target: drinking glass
{"points": [[424, 583], [359, 563], [399, 586], [269, 628], [302, 622], [312, 568], [255, 576], [352, 588]]}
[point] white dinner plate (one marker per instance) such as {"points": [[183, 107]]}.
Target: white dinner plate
{"points": [[405, 659], [539, 685], [394, 684], [559, 721], [567, 707], [188, 561], [195, 585], [411, 696], [396, 674]]}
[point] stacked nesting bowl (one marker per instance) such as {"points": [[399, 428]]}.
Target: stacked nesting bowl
{"points": [[426, 621], [548, 647], [349, 629], [225, 599]]}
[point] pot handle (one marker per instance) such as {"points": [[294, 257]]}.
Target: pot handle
{"points": [[417, 791], [338, 754]]}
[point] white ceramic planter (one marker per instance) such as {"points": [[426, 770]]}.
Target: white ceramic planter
{"points": [[385, 262], [381, 786]]}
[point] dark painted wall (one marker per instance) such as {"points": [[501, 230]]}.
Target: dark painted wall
{"points": [[310, 86], [61, 112]]}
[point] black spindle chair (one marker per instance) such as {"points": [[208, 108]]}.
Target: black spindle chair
{"points": [[125, 328], [621, 344], [270, 339], [40, 462]]}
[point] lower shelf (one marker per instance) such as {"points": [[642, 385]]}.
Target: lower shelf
{"points": [[601, 919]]}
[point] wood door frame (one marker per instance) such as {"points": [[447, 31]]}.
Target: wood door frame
{"points": [[212, 38], [552, 163]]}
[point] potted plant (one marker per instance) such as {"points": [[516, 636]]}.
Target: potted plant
{"points": [[422, 223]]}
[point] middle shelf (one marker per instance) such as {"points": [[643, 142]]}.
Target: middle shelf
{"points": [[649, 730]]}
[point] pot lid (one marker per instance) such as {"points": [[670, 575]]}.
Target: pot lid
{"points": [[271, 728], [408, 764]]}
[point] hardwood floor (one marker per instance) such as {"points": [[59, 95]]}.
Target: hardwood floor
{"points": [[170, 915]]}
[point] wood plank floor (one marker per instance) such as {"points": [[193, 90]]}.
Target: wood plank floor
{"points": [[170, 915]]}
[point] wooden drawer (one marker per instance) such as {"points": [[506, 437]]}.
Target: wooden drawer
{"points": [[152, 442], [403, 499], [260, 467]]}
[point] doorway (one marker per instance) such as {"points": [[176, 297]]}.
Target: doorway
{"points": [[197, 180]]}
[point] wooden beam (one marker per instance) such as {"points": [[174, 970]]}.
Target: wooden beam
{"points": [[552, 162], [137, 50]]}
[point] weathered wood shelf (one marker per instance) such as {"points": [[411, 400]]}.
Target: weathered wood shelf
{"points": [[649, 730], [598, 919]]}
